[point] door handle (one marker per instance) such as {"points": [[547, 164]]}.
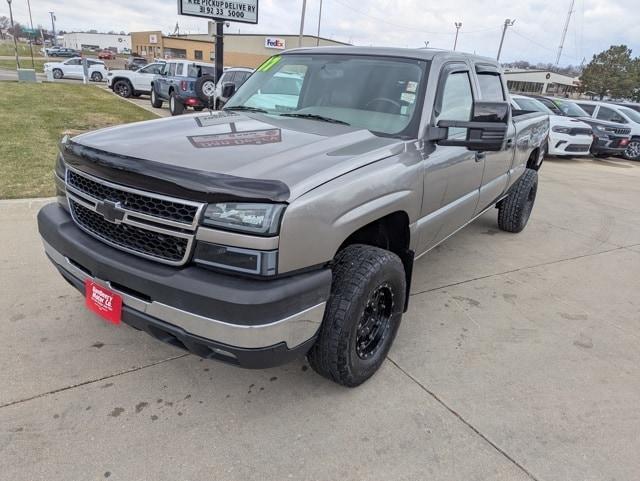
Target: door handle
{"points": [[480, 156]]}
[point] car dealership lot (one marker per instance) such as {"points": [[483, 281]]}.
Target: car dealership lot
{"points": [[518, 359]]}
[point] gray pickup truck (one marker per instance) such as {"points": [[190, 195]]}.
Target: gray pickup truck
{"points": [[288, 223]]}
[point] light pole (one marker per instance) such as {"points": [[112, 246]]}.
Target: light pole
{"points": [[32, 33], [458, 27], [53, 27], [319, 21], [507, 23], [15, 42], [304, 9]]}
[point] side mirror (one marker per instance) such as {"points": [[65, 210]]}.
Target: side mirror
{"points": [[486, 131], [228, 89]]}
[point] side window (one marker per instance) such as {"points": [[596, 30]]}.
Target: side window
{"points": [[73, 61], [455, 100], [605, 113], [172, 69], [179, 69], [491, 87], [590, 109], [553, 107], [243, 76]]}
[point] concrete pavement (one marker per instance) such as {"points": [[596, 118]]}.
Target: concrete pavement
{"points": [[518, 360]]}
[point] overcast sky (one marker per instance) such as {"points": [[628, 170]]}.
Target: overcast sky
{"points": [[595, 24]]}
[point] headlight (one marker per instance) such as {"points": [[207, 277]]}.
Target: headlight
{"points": [[249, 218], [601, 128], [561, 130], [61, 168]]}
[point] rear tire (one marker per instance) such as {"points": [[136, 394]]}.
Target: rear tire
{"points": [[515, 210], [362, 316], [175, 106], [96, 77], [155, 101]]}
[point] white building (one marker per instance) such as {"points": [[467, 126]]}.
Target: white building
{"points": [[540, 82], [98, 41]]}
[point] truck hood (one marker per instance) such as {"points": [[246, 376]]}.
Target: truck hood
{"points": [[229, 154]]}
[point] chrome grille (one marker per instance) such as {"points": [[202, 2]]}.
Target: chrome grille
{"points": [[618, 131], [149, 225]]}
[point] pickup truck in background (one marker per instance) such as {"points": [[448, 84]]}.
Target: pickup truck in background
{"points": [[254, 235], [177, 85]]}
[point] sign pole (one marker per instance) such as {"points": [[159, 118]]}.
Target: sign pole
{"points": [[219, 50], [32, 35]]}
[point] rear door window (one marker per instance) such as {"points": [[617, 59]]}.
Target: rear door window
{"points": [[491, 87], [179, 69]]}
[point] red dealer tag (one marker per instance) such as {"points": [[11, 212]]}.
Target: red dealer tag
{"points": [[102, 301]]}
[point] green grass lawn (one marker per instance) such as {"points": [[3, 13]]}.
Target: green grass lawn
{"points": [[33, 118], [25, 62], [7, 48]]}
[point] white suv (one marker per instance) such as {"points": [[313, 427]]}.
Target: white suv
{"points": [[72, 68], [130, 83], [235, 75], [568, 137], [620, 114]]}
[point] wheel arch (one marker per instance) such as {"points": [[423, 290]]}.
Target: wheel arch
{"points": [[391, 232]]}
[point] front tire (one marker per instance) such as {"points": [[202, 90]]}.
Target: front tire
{"points": [[123, 89], [362, 316], [155, 101], [515, 210], [633, 150], [57, 74], [175, 106]]}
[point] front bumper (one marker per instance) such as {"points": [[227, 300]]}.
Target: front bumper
{"points": [[609, 145], [566, 144], [251, 323]]}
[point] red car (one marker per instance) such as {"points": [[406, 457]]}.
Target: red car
{"points": [[106, 55]]}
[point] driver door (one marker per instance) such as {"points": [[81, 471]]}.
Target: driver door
{"points": [[73, 68], [452, 174], [142, 78]]}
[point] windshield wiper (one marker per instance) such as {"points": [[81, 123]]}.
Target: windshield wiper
{"points": [[316, 117], [246, 108]]}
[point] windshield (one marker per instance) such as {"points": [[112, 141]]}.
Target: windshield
{"points": [[532, 105], [380, 94], [632, 114], [570, 109]]}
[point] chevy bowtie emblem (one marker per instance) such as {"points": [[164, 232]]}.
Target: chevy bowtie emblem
{"points": [[111, 211]]}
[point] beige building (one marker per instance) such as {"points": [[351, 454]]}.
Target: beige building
{"points": [[541, 82], [240, 50]]}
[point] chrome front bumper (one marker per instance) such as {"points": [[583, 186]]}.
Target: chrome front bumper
{"points": [[293, 330]]}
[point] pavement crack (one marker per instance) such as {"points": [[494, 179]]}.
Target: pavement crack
{"points": [[519, 269], [465, 422], [92, 381]]}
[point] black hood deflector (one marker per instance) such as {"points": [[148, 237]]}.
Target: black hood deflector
{"points": [[170, 180]]}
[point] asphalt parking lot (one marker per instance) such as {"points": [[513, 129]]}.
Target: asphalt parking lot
{"points": [[518, 360]]}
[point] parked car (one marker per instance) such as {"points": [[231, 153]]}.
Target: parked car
{"points": [[568, 137], [64, 52], [254, 236], [619, 114], [73, 68], [176, 84], [127, 83], [236, 76], [106, 55], [609, 138], [134, 63]]}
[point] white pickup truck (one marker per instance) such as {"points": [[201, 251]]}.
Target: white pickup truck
{"points": [[128, 83]]}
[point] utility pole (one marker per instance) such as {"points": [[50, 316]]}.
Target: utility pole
{"points": [[507, 23], [564, 32], [33, 63], [13, 30], [304, 9], [319, 20], [458, 27], [53, 27]]}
